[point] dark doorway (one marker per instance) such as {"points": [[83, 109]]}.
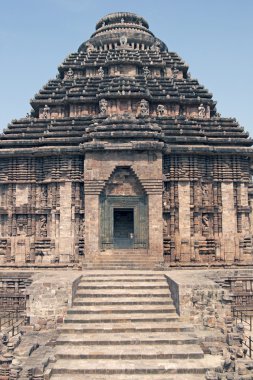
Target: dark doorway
{"points": [[123, 227]]}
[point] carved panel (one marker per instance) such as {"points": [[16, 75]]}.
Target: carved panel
{"points": [[123, 181], [170, 208]]}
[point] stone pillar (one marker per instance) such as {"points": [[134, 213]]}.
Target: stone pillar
{"points": [[251, 215], [155, 225], [245, 203], [184, 219], [65, 238], [92, 217], [229, 224]]}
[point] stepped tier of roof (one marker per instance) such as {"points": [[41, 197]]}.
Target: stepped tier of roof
{"points": [[123, 84]]}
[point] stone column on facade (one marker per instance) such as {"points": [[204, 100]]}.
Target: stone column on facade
{"points": [[92, 224], [54, 235], [65, 238], [251, 215], [155, 225], [184, 219], [229, 225], [245, 203]]}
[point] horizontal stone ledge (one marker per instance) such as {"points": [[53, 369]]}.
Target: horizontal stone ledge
{"points": [[37, 151], [153, 146], [208, 149]]}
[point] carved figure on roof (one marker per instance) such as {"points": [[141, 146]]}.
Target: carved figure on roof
{"points": [[157, 46], [101, 72], [175, 72], [103, 104], [70, 73], [89, 47], [46, 112], [123, 40], [144, 106], [146, 72], [160, 110], [202, 110]]}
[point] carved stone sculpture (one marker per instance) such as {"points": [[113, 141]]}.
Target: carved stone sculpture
{"points": [[146, 72], [160, 110], [101, 72], [90, 48], [46, 112], [103, 104], [202, 110], [70, 73], [43, 225], [175, 72], [144, 108], [123, 40], [205, 222]]}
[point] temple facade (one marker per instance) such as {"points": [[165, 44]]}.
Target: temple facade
{"points": [[125, 151]]}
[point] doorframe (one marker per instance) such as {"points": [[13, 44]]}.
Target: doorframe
{"points": [[139, 204]]}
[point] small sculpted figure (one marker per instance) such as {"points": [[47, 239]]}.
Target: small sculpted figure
{"points": [[144, 105], [103, 106], [202, 110]]}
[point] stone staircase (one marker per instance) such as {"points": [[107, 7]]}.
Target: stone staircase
{"points": [[122, 260], [124, 327]]}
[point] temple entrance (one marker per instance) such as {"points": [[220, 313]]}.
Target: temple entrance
{"points": [[123, 228], [123, 212]]}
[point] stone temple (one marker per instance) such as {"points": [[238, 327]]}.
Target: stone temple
{"points": [[124, 159], [124, 163]]}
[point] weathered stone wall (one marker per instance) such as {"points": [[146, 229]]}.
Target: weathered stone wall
{"points": [[50, 295], [42, 212], [206, 209], [199, 299]]}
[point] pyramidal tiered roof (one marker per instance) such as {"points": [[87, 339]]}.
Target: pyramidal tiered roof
{"points": [[123, 83]]}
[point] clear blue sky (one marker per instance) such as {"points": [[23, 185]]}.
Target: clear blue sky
{"points": [[213, 36]]}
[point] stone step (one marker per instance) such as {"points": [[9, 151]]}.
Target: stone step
{"points": [[118, 296], [137, 351], [114, 267], [131, 366], [94, 279], [121, 318], [117, 268], [127, 259], [128, 327], [124, 285], [121, 286], [123, 255], [121, 309], [127, 338], [122, 261], [103, 301], [123, 292], [165, 376], [123, 274]]}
